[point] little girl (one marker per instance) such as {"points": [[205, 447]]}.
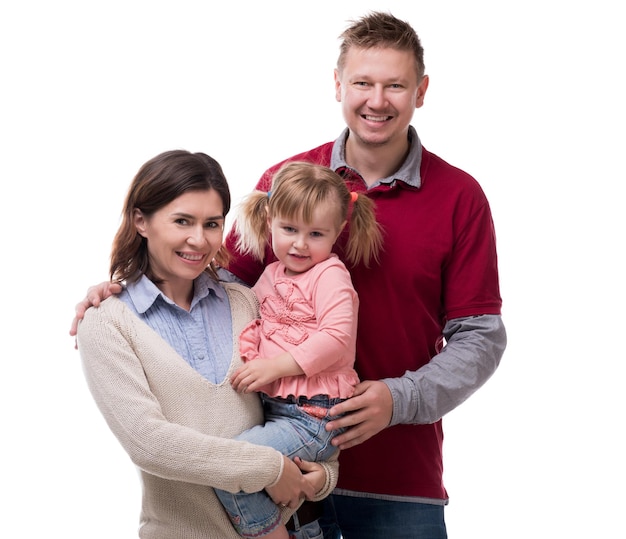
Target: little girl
{"points": [[300, 354]]}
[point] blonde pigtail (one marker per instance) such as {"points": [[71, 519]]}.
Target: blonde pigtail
{"points": [[365, 240], [251, 225]]}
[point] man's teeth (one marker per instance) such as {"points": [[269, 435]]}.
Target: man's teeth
{"points": [[376, 118]]}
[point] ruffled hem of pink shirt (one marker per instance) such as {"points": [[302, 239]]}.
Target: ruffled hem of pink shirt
{"points": [[334, 384]]}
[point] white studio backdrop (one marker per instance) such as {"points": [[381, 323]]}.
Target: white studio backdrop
{"points": [[526, 96]]}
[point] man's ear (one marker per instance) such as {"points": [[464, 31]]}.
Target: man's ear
{"points": [[421, 92], [337, 86]]}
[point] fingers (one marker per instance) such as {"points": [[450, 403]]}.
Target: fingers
{"points": [[239, 381], [353, 436], [366, 414], [304, 465], [95, 294], [291, 488], [246, 380], [74, 328], [356, 402], [92, 300], [79, 311], [295, 503]]}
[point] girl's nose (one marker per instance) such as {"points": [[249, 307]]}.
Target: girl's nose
{"points": [[299, 242]]}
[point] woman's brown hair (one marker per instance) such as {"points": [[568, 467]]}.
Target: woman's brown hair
{"points": [[158, 182]]}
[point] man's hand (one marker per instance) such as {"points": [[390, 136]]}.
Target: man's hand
{"points": [[367, 413], [95, 294]]}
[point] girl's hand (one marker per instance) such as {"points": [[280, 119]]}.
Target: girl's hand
{"points": [[254, 375]]}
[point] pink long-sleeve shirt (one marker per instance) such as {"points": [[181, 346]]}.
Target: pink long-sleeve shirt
{"points": [[313, 316]]}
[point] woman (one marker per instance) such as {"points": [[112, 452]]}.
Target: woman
{"points": [[159, 356]]}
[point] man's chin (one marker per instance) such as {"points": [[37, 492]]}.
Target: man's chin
{"points": [[373, 141]]}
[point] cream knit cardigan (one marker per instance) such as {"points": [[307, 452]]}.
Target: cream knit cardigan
{"points": [[175, 425]]}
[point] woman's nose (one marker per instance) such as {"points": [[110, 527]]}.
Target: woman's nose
{"points": [[197, 236]]}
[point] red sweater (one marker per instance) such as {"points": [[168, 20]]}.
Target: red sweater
{"points": [[438, 263]]}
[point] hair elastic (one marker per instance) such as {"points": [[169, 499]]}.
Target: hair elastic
{"points": [[269, 194]]}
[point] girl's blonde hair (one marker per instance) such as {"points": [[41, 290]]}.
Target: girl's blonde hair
{"points": [[298, 188]]}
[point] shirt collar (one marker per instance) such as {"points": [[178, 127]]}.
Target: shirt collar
{"points": [[144, 292], [408, 173]]}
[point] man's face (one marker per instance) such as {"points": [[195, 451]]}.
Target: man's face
{"points": [[379, 90]]}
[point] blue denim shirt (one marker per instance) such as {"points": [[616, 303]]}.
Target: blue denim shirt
{"points": [[202, 336]]}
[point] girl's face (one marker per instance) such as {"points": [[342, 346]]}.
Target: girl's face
{"points": [[183, 238], [299, 245]]}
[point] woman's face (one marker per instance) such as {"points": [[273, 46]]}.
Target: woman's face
{"points": [[183, 237]]}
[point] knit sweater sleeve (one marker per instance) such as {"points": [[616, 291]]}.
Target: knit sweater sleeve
{"points": [[172, 423]]}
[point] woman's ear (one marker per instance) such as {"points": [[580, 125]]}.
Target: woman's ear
{"points": [[139, 221]]}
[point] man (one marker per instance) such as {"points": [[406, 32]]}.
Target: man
{"points": [[430, 331]]}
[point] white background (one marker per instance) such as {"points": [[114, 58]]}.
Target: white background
{"points": [[526, 96]]}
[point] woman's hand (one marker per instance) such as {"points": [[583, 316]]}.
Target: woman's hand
{"points": [[312, 472], [292, 487]]}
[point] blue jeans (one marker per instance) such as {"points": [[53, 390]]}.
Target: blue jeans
{"points": [[291, 428], [367, 518]]}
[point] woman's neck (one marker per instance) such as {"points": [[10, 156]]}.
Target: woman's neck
{"points": [[180, 293]]}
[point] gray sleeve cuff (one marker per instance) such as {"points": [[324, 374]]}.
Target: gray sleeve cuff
{"points": [[474, 347]]}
